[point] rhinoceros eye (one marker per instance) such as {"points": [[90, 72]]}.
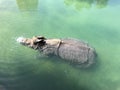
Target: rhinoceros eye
{"points": [[36, 41]]}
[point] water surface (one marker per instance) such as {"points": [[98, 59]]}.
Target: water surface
{"points": [[94, 21]]}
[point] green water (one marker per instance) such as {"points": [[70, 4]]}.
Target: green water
{"points": [[95, 21]]}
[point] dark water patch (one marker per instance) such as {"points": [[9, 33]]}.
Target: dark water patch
{"points": [[42, 79]]}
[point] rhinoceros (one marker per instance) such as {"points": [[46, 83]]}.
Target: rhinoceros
{"points": [[75, 51]]}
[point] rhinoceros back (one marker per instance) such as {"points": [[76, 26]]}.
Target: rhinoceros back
{"points": [[77, 52]]}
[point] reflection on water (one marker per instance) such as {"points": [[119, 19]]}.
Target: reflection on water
{"points": [[79, 4], [27, 5]]}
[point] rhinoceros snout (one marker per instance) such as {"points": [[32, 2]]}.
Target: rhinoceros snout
{"points": [[20, 40], [23, 41]]}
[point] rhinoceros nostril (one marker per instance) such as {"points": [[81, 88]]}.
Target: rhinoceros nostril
{"points": [[20, 39]]}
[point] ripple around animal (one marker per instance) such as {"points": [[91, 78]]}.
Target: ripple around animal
{"points": [[13, 74]]}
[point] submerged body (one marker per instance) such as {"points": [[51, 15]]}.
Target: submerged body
{"points": [[72, 50]]}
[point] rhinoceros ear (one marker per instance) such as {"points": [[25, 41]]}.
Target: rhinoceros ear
{"points": [[40, 37]]}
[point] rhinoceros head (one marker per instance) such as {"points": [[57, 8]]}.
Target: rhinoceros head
{"points": [[34, 43]]}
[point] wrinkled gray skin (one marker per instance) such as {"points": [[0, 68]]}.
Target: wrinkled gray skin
{"points": [[75, 51]]}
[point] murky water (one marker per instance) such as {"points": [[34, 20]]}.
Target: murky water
{"points": [[95, 21]]}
